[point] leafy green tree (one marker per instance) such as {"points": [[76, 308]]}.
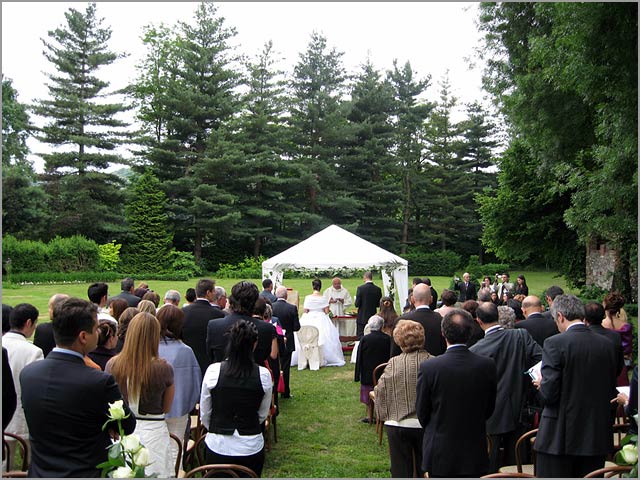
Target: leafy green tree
{"points": [[84, 199], [150, 237], [23, 200]]}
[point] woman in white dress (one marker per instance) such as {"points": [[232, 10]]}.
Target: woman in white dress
{"points": [[316, 307]]}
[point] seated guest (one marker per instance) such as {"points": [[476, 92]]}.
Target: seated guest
{"points": [[449, 299], [147, 306], [506, 316], [66, 404], [235, 401], [187, 374], [396, 401], [147, 385], [107, 341], [374, 349], [123, 325]]}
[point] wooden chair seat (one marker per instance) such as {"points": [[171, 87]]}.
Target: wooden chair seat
{"points": [[225, 470], [610, 471]]}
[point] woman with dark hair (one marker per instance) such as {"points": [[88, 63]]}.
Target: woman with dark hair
{"points": [[521, 286], [477, 333], [616, 319], [235, 401], [107, 341], [388, 314], [316, 309], [189, 296], [187, 373], [449, 299], [153, 297], [123, 325], [117, 306]]}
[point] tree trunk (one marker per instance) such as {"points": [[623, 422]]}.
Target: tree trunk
{"points": [[257, 244], [406, 211], [197, 245]]}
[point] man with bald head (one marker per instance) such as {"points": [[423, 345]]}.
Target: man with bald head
{"points": [[339, 297], [431, 322], [538, 325], [43, 336]]}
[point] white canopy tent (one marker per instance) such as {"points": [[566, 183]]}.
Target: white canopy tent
{"points": [[336, 248]]}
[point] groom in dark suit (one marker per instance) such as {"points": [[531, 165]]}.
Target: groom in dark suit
{"points": [[367, 302], [288, 316], [66, 403]]}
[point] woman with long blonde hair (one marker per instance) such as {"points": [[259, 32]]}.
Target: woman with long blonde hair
{"points": [[146, 382]]}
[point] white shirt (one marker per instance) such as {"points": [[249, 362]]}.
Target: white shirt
{"points": [[236, 444]]}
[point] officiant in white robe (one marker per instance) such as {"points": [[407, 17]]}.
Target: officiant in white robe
{"points": [[340, 300]]}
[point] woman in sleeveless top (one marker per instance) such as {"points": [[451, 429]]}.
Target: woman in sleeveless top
{"points": [[616, 320], [235, 401], [146, 382], [316, 308]]}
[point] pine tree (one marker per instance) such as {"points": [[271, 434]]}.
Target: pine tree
{"points": [[84, 199]]}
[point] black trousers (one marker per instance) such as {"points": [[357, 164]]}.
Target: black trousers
{"points": [[405, 451], [285, 366], [255, 462], [360, 330], [508, 442], [566, 466]]}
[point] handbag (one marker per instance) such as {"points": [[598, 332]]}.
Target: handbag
{"points": [[281, 383]]}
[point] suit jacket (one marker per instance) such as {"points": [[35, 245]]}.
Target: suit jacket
{"points": [[43, 338], [434, 299], [578, 381], [194, 329], [9, 398], [372, 351], [65, 414], [514, 351], [466, 292], [617, 343], [434, 342], [540, 326], [455, 395], [266, 334], [217, 335], [288, 316], [367, 301], [131, 299]]}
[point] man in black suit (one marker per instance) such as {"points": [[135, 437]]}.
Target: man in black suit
{"points": [[594, 314], [514, 352], [540, 326], [196, 319], [578, 383], [431, 321], [66, 403], [434, 294], [288, 316], [367, 302], [127, 293], [455, 395], [43, 336], [466, 287]]}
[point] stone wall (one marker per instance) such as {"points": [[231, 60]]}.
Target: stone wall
{"points": [[601, 261]]}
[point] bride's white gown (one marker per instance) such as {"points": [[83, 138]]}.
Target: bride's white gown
{"points": [[329, 338]]}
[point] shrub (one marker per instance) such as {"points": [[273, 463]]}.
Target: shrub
{"points": [[72, 254], [109, 256], [342, 272], [184, 264], [250, 267], [478, 271], [435, 263], [25, 255], [65, 277]]}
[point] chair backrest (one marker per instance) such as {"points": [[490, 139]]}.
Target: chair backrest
{"points": [[308, 335], [523, 438], [608, 472], [508, 475], [179, 457], [377, 372], [224, 470], [24, 451]]}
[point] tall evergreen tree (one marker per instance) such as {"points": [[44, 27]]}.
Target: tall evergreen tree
{"points": [[84, 199]]}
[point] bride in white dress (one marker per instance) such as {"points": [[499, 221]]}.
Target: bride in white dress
{"points": [[316, 307]]}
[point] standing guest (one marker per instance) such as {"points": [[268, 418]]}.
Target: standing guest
{"points": [[221, 300], [521, 286], [396, 401], [516, 305], [235, 398], [368, 298], [116, 307], [505, 285], [551, 293], [449, 299], [43, 336], [409, 306], [494, 298], [152, 297], [484, 295], [140, 292], [186, 373], [147, 385], [539, 326], [593, 316], [196, 319], [514, 351], [123, 325], [431, 322], [339, 298], [147, 306], [288, 316], [466, 287], [189, 296], [434, 294], [98, 294], [107, 341], [613, 304], [9, 396], [6, 313], [66, 404], [126, 285], [578, 382], [21, 353], [267, 285], [267, 348], [506, 317], [487, 283], [456, 394], [373, 350], [389, 315], [171, 297], [477, 333]]}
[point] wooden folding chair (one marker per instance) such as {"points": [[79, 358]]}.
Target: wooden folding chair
{"points": [[224, 470], [519, 467], [377, 373], [23, 450], [609, 472], [178, 465]]}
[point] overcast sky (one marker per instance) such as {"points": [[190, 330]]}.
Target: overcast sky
{"points": [[433, 36]]}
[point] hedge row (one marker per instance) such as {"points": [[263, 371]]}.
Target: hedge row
{"points": [[62, 255], [432, 264]]}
